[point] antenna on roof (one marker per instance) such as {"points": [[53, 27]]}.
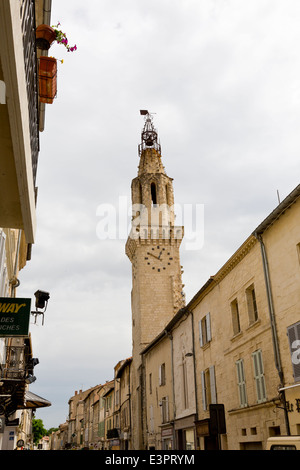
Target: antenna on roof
{"points": [[278, 196]]}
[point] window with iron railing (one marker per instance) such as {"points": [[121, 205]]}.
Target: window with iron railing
{"points": [[17, 363], [28, 23], [14, 367]]}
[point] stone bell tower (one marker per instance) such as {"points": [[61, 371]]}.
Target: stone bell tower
{"points": [[153, 249]]}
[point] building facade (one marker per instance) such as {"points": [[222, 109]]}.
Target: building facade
{"points": [[21, 121], [123, 402], [245, 374], [159, 399], [233, 351]]}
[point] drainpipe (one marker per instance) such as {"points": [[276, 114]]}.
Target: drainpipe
{"points": [[170, 336], [129, 396], [194, 364], [273, 326], [143, 419]]}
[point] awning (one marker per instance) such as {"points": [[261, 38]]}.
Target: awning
{"points": [[34, 401]]}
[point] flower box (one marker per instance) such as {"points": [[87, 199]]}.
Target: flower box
{"points": [[45, 35], [47, 79]]}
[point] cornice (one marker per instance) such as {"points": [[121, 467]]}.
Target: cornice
{"points": [[233, 261]]}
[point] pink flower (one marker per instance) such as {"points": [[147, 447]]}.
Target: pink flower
{"points": [[61, 38]]}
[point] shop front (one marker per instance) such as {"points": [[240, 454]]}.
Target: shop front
{"points": [[167, 441], [292, 403], [204, 440], [185, 433]]}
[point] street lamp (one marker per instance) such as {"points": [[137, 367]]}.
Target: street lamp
{"points": [[41, 302]]}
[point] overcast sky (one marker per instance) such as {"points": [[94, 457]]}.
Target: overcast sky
{"points": [[223, 79]]}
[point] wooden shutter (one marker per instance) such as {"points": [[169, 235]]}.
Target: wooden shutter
{"points": [[241, 382], [167, 408], [293, 332], [208, 328], [200, 333], [3, 282], [2, 264], [213, 390], [204, 402], [259, 376], [151, 418]]}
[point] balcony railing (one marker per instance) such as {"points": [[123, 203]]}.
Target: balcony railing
{"points": [[27, 15], [15, 366], [18, 363]]}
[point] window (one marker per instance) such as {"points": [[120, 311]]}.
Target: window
{"points": [[153, 194], [204, 330], [140, 194], [208, 382], [162, 374], [108, 403], [101, 429], [298, 251], [150, 384], [185, 383], [251, 304], [167, 195], [102, 402], [241, 382], [3, 269], [124, 417], [165, 409], [151, 419], [259, 376], [2, 350], [235, 317], [293, 332], [117, 395]]}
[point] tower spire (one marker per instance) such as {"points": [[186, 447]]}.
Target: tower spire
{"points": [[149, 134], [153, 249], [149, 148]]}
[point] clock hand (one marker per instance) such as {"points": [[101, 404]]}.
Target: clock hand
{"points": [[159, 255], [153, 256]]}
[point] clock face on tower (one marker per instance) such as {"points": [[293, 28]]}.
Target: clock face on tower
{"points": [[158, 258]]}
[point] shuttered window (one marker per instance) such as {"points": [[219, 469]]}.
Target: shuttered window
{"points": [[235, 317], [3, 270], [251, 304], [241, 382], [101, 429], [208, 384], [204, 330], [165, 409], [2, 350], [293, 332], [259, 376], [151, 419], [162, 374]]}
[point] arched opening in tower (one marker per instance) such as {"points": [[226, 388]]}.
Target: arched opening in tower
{"points": [[153, 194]]}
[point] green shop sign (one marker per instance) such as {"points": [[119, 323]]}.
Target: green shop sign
{"points": [[14, 316]]}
